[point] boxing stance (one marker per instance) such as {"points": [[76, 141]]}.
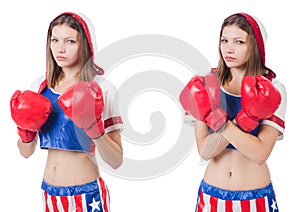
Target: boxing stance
{"points": [[73, 113], [238, 112]]}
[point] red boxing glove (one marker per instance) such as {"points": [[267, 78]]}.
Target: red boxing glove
{"points": [[83, 103], [260, 99], [201, 98], [30, 111]]}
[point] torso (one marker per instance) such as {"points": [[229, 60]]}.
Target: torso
{"points": [[67, 168], [233, 171], [230, 169]]}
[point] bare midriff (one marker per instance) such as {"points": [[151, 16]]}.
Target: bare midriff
{"points": [[68, 168], [232, 171]]}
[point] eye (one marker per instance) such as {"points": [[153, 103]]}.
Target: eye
{"points": [[53, 40], [240, 42], [70, 41], [224, 40]]}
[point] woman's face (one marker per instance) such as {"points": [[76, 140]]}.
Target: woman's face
{"points": [[234, 46], [65, 46]]}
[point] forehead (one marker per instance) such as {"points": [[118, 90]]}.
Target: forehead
{"points": [[234, 31], [64, 30]]}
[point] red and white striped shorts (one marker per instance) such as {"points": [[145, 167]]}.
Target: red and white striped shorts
{"points": [[90, 197], [213, 199]]}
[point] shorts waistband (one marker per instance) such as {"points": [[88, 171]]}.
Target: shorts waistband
{"points": [[236, 195], [71, 190]]}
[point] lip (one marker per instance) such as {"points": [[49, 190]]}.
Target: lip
{"points": [[229, 59], [60, 58]]}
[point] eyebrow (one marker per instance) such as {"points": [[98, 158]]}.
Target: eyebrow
{"points": [[234, 37], [53, 36]]}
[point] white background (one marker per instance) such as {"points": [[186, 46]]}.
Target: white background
{"points": [[23, 40]]}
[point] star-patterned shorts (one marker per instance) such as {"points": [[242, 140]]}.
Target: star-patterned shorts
{"points": [[213, 199], [90, 197]]}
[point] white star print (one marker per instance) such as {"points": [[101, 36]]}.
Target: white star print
{"points": [[95, 205], [274, 205]]}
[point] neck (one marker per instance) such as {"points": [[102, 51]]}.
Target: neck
{"points": [[234, 85], [70, 74], [237, 74]]}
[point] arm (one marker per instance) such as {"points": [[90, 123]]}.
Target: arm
{"points": [[110, 148], [30, 111], [261, 100], [254, 148], [201, 98], [83, 103], [209, 145], [27, 149]]}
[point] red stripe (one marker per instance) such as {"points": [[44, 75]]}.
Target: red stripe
{"points": [[213, 204], [46, 204], [78, 202], [245, 205], [65, 202], [54, 203], [277, 120], [103, 194], [112, 121], [228, 206], [260, 205], [200, 204]]}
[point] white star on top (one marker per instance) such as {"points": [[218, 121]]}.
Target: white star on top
{"points": [[274, 205], [95, 205]]}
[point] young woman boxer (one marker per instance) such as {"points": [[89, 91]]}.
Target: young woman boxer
{"points": [[238, 113], [72, 113]]}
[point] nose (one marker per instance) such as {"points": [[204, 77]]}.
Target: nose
{"points": [[61, 47], [229, 48]]}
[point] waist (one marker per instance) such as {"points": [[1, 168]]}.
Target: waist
{"points": [[239, 195], [233, 171], [68, 168], [92, 186]]}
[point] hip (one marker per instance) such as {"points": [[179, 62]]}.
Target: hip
{"points": [[86, 197], [211, 198]]}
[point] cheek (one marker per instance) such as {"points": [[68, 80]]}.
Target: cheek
{"points": [[244, 53], [247, 54], [75, 53], [52, 48], [52, 51], [222, 50]]}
